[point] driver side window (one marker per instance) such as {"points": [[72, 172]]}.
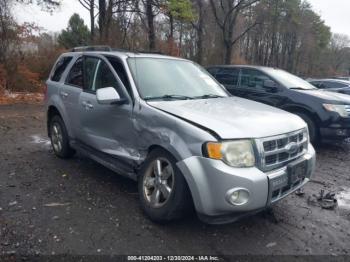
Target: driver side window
{"points": [[104, 77], [98, 75], [254, 79]]}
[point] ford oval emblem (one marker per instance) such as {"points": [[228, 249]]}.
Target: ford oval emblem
{"points": [[291, 148]]}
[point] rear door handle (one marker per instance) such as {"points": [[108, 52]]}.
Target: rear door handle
{"points": [[64, 94]]}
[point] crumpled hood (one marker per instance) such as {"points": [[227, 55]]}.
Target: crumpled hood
{"points": [[327, 96], [233, 117]]}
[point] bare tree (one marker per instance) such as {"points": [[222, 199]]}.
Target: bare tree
{"points": [[150, 15], [199, 27], [90, 5], [102, 18], [339, 49], [226, 14]]}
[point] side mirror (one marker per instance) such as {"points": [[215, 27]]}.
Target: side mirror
{"points": [[270, 85], [108, 95]]}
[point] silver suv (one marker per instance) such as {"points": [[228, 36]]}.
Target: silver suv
{"points": [[168, 124]]}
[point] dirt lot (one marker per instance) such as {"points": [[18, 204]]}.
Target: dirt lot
{"points": [[53, 206]]}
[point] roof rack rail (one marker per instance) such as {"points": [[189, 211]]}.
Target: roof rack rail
{"points": [[92, 48], [148, 52], [121, 50], [106, 48]]}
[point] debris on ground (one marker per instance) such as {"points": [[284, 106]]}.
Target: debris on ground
{"points": [[56, 204], [21, 97], [343, 198], [272, 244], [300, 192], [326, 201], [13, 203]]}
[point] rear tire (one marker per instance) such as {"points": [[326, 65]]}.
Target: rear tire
{"points": [[163, 190], [59, 138], [313, 130]]}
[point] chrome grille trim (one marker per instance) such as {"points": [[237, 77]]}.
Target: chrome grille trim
{"points": [[273, 153]]}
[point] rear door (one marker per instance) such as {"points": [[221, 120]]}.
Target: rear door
{"points": [[106, 128], [70, 92]]}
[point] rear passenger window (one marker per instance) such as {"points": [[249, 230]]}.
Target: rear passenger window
{"points": [[228, 77], [61, 65], [75, 76]]}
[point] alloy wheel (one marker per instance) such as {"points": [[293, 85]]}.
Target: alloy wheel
{"points": [[158, 182], [57, 137]]}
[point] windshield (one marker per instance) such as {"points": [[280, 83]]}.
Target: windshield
{"points": [[160, 78], [288, 80]]}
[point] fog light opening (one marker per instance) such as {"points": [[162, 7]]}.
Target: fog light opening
{"points": [[237, 196]]}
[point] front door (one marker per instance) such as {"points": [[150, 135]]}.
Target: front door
{"points": [[252, 86], [229, 77], [106, 128]]}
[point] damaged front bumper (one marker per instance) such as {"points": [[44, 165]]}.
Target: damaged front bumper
{"points": [[210, 181]]}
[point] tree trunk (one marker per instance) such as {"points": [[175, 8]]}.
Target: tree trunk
{"points": [[171, 36], [92, 20], [200, 32], [228, 53], [228, 37], [102, 18], [108, 20], [150, 22]]}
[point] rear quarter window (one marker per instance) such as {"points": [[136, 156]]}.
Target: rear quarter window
{"points": [[60, 66]]}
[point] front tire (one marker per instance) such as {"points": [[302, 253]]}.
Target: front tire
{"points": [[164, 194], [59, 138]]}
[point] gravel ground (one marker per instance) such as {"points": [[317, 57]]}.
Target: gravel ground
{"points": [[77, 207]]}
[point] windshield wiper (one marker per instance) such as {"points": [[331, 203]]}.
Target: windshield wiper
{"points": [[167, 97], [208, 96], [300, 88]]}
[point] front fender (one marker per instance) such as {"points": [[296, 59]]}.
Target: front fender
{"points": [[157, 128]]}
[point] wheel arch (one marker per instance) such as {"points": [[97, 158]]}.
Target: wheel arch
{"points": [[51, 112], [298, 109], [178, 159], [170, 150]]}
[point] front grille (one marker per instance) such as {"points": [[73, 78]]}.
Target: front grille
{"points": [[347, 108], [277, 151]]}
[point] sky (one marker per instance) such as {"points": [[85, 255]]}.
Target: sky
{"points": [[334, 12]]}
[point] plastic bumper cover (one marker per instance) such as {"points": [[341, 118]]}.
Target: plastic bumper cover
{"points": [[209, 181]]}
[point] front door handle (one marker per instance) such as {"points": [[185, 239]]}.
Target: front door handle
{"points": [[87, 105], [63, 94]]}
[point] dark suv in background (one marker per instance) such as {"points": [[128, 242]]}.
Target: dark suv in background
{"points": [[333, 85], [326, 113]]}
